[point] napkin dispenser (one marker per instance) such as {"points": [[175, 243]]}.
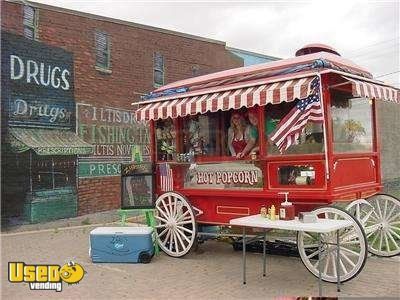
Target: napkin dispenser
{"points": [[307, 217]]}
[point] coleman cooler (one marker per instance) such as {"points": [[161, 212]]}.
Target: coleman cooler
{"points": [[121, 244]]}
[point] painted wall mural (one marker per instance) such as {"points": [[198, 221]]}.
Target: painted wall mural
{"points": [[116, 136]]}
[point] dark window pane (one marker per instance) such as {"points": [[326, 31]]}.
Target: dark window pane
{"points": [[158, 77], [158, 61], [102, 49], [28, 32], [29, 16]]}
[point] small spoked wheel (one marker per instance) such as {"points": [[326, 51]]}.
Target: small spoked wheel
{"points": [[175, 224], [382, 226], [353, 247]]}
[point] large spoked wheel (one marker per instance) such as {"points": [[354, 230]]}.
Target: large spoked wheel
{"points": [[382, 226], [176, 224], [353, 247]]}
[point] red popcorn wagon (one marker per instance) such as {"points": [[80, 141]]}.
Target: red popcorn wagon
{"points": [[228, 143]]}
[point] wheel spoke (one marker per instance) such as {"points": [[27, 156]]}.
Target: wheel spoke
{"points": [[366, 217], [166, 238], [184, 222], [332, 256], [175, 242], [393, 232], [393, 241], [167, 212], [386, 241], [385, 209], [349, 236], [180, 240], [342, 248], [170, 240], [343, 266], [312, 254], [183, 235], [160, 219], [394, 217], [380, 240], [162, 212], [326, 263], [394, 223], [163, 232], [311, 246], [379, 209], [358, 217], [347, 259], [161, 226], [185, 229], [391, 211], [181, 217], [375, 238], [372, 228]]}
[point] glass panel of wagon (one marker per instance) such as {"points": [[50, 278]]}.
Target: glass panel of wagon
{"points": [[238, 175], [165, 140], [352, 123], [286, 134]]}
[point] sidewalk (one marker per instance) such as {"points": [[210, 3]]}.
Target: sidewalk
{"points": [[100, 218]]}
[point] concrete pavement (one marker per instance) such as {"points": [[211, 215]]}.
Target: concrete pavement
{"points": [[215, 273]]}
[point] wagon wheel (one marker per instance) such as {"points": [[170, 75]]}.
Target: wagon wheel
{"points": [[353, 247], [382, 226], [176, 225]]}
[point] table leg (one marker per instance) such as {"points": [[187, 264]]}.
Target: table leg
{"points": [[337, 260], [264, 259], [319, 266], [244, 255]]}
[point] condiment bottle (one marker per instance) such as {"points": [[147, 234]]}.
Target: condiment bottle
{"points": [[286, 211], [272, 212], [263, 212]]}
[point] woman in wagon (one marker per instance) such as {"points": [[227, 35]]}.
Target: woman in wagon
{"points": [[252, 135], [237, 134]]}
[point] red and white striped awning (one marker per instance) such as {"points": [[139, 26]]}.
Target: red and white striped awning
{"points": [[372, 90], [236, 98]]}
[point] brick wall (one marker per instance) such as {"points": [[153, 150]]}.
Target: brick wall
{"points": [[132, 48]]}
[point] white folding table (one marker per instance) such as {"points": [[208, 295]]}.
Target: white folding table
{"points": [[321, 226]]}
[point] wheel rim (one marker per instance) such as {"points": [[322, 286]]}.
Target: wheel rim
{"points": [[383, 226], [352, 242], [176, 224]]}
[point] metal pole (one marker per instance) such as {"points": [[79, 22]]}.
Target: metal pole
{"points": [[264, 260], [319, 266], [244, 255], [324, 128], [337, 260]]}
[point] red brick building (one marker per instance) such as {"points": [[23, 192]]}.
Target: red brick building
{"points": [[114, 62]]}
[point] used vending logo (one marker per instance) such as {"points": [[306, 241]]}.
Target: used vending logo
{"points": [[45, 277]]}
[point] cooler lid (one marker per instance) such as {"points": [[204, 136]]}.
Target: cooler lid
{"points": [[122, 230]]}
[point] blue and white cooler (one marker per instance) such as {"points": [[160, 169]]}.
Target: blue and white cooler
{"points": [[121, 244]]}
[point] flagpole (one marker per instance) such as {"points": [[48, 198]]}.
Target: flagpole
{"points": [[324, 129]]}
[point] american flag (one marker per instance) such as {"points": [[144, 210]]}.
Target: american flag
{"points": [[292, 125], [167, 181]]}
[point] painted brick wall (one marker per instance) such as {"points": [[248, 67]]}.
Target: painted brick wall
{"points": [[132, 51]]}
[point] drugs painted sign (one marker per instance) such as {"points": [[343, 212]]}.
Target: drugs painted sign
{"points": [[37, 83]]}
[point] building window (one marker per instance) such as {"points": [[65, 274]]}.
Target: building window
{"points": [[158, 66], [30, 22], [103, 53]]}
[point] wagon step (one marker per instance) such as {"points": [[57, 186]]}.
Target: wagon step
{"points": [[277, 247]]}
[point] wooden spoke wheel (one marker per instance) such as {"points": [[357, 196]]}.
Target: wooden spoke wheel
{"points": [[382, 225], [353, 247], [175, 224]]}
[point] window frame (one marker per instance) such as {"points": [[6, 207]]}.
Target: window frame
{"points": [[107, 51], [156, 69], [372, 124], [35, 26], [291, 156]]}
